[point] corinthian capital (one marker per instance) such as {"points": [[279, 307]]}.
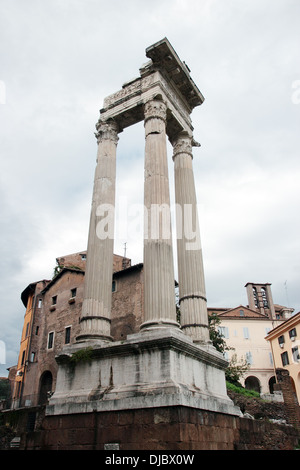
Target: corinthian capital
{"points": [[183, 144], [155, 109], [107, 130]]}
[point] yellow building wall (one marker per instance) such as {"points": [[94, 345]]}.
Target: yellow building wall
{"points": [[247, 337], [24, 348], [289, 344]]}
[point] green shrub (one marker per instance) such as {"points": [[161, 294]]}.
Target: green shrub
{"points": [[82, 355]]}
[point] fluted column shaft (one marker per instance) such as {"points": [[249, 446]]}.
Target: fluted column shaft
{"points": [[193, 307], [159, 289], [96, 307]]}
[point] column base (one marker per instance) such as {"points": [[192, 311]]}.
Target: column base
{"points": [[94, 327], [93, 338], [154, 324]]}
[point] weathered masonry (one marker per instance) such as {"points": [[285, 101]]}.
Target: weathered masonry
{"points": [[163, 97], [164, 364]]}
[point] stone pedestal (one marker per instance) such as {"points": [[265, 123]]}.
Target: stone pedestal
{"points": [[158, 368]]}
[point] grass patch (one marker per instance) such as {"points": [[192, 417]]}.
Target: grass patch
{"points": [[242, 390]]}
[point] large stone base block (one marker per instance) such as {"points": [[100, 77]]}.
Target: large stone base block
{"points": [[159, 367], [153, 429], [173, 428]]}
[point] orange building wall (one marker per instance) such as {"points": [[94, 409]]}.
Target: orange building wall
{"points": [[24, 348]]}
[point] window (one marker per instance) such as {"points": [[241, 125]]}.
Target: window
{"points": [[40, 303], [255, 296], [23, 358], [73, 292], [50, 340], [54, 300], [242, 313], [285, 358], [32, 357], [295, 352], [114, 286], [246, 332], [83, 257], [67, 335], [37, 330], [271, 358], [281, 340], [223, 330], [249, 357], [293, 334], [264, 296], [27, 329]]}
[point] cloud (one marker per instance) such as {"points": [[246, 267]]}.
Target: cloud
{"points": [[61, 59]]}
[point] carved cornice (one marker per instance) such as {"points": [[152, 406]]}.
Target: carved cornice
{"points": [[107, 130], [170, 341], [165, 59]]}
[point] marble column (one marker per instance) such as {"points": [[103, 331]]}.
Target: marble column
{"points": [[96, 308], [159, 283], [193, 307]]}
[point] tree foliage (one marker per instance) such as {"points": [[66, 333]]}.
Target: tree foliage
{"points": [[236, 368], [4, 389], [215, 336]]}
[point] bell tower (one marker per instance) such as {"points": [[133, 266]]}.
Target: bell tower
{"points": [[260, 299]]}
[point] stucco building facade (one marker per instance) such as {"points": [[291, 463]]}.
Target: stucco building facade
{"points": [[285, 345], [244, 329]]}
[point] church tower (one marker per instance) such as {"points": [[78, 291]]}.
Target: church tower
{"points": [[260, 299]]}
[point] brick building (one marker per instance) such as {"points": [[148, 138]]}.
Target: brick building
{"points": [[52, 320]]}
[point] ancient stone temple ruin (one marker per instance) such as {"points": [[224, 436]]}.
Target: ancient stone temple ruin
{"points": [[165, 364], [164, 386]]}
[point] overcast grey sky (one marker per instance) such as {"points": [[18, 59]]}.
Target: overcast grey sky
{"points": [[61, 58]]}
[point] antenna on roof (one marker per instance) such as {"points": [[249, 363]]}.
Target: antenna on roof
{"points": [[286, 292], [124, 257]]}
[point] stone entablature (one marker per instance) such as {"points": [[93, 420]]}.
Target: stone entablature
{"points": [[164, 77]]}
